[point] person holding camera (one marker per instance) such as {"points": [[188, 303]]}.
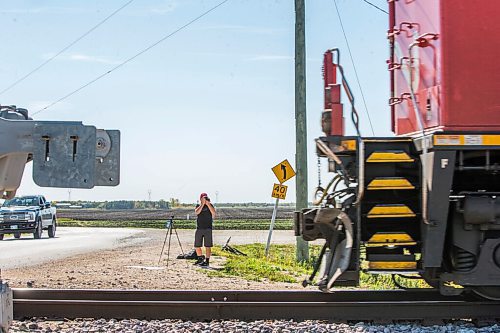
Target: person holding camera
{"points": [[205, 214]]}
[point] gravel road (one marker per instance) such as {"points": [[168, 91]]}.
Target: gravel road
{"points": [[71, 241], [133, 263]]}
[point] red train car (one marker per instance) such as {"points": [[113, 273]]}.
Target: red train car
{"points": [[447, 52]]}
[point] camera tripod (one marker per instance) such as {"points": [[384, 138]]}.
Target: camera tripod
{"points": [[169, 225]]}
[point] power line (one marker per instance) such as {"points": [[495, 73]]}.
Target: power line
{"points": [[373, 5], [132, 58], [354, 66], [65, 48]]}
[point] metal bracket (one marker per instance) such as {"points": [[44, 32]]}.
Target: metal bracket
{"points": [[403, 27], [398, 100], [396, 65], [65, 154], [425, 39], [107, 162]]}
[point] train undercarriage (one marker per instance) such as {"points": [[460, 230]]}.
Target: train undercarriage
{"points": [[433, 214]]}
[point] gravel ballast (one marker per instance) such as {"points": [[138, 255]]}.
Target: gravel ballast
{"points": [[261, 326]]}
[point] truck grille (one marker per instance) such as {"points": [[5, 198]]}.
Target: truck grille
{"points": [[14, 217]]}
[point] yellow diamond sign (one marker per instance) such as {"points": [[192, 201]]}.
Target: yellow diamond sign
{"points": [[279, 191], [283, 171]]}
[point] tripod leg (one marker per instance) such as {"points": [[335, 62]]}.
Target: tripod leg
{"points": [[169, 242], [180, 245], [179, 241], [163, 248]]}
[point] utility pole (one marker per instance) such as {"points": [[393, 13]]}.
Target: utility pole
{"points": [[300, 121]]}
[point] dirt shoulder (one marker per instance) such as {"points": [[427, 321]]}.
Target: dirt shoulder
{"points": [[136, 266]]}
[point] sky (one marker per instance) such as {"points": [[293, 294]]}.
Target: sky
{"points": [[210, 109]]}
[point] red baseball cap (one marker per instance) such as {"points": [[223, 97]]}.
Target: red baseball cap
{"points": [[203, 195]]}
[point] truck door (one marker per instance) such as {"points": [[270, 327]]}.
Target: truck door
{"points": [[44, 212]]}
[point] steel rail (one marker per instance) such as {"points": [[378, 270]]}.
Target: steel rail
{"points": [[249, 305]]}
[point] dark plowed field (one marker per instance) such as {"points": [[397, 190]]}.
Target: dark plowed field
{"points": [[178, 213]]}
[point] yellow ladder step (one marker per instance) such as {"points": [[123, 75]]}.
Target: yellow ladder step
{"points": [[397, 210], [381, 239], [390, 183], [394, 156], [392, 265]]}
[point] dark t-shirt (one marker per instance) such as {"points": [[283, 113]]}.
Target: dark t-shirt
{"points": [[204, 219]]}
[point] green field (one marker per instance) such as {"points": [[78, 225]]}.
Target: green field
{"points": [[244, 224]]}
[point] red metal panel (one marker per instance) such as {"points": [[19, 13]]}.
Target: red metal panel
{"points": [[337, 119], [452, 67], [329, 69], [332, 95], [471, 64]]}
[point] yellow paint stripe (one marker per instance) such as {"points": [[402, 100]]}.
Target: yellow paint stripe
{"points": [[389, 156], [380, 211], [392, 265], [466, 140], [390, 244], [389, 140], [390, 239], [348, 144], [393, 183]]}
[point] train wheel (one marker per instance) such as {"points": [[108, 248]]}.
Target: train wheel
{"points": [[488, 292]]}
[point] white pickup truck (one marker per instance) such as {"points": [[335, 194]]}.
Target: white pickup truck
{"points": [[27, 214]]}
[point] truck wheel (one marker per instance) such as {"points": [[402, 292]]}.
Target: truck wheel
{"points": [[52, 228], [1, 237], [38, 230], [17, 235]]}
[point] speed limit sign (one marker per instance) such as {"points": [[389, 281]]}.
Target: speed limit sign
{"points": [[279, 191]]}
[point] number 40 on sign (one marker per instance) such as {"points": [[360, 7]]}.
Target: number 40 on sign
{"points": [[279, 191]]}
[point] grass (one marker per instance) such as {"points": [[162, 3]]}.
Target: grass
{"points": [[282, 267], [244, 224]]}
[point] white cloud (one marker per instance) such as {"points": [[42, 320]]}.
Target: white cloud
{"points": [[168, 7], [88, 58], [82, 57]]}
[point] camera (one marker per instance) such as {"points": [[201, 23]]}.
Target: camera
{"points": [[207, 198]]}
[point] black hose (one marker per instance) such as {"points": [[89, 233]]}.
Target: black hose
{"points": [[307, 282], [23, 112]]}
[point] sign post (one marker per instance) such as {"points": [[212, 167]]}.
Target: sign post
{"points": [[271, 227], [283, 172]]}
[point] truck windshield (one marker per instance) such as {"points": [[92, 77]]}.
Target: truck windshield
{"points": [[23, 201]]}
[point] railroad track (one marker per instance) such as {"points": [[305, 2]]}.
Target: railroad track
{"points": [[426, 305]]}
